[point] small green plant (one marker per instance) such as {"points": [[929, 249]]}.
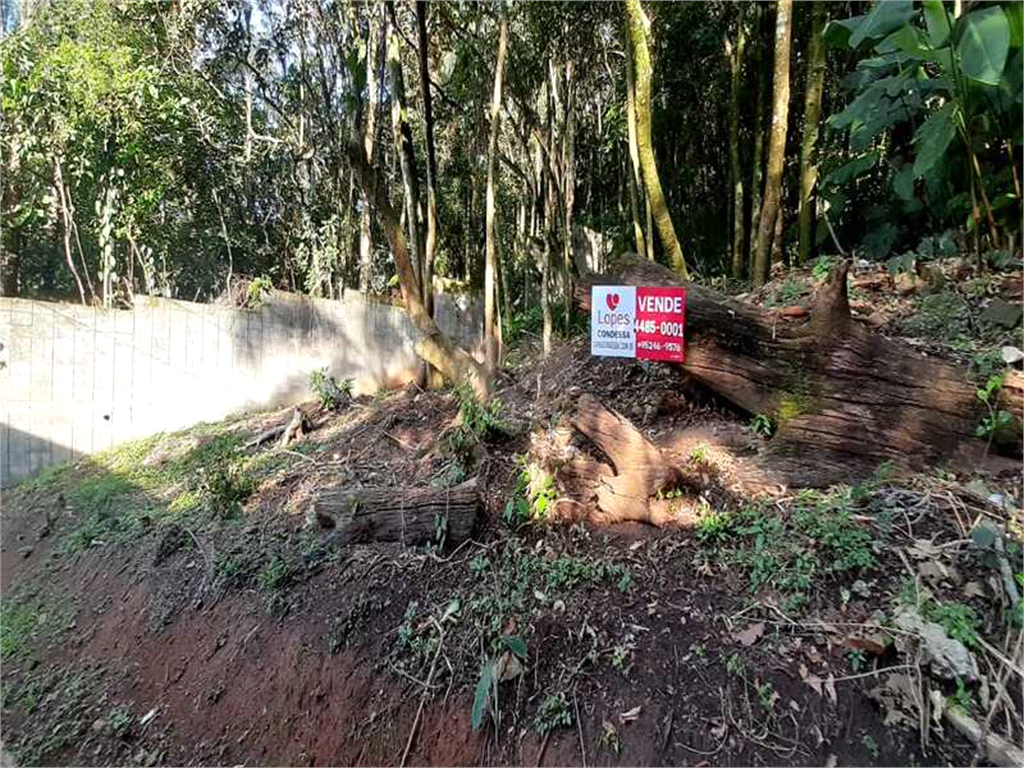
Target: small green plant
{"points": [[822, 266], [699, 454], [714, 527], [622, 653], [959, 620], [226, 487], [554, 713], [699, 650], [857, 659], [479, 564], [257, 290], [275, 574], [870, 745], [734, 665], [610, 738], [486, 695], [767, 696], [121, 720], [331, 394], [478, 419], [996, 420], [961, 697], [762, 425]]}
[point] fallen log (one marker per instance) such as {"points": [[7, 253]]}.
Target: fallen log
{"points": [[843, 398], [412, 516]]}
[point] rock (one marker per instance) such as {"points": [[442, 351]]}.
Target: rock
{"points": [[907, 283], [948, 658], [25, 551], [1003, 314], [99, 724], [1012, 355]]}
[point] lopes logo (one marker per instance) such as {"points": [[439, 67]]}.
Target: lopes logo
{"points": [[612, 300]]}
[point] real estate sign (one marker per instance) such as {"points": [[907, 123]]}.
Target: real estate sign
{"points": [[646, 322]]}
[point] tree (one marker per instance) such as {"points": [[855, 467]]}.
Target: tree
{"points": [[777, 143], [490, 268], [735, 55], [636, 192], [428, 129], [642, 68], [812, 116]]}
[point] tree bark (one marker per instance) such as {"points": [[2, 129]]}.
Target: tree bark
{"points": [[735, 55], [643, 71], [434, 347], [428, 125], [757, 162], [569, 185], [636, 198], [402, 136], [843, 399], [812, 116], [412, 516], [777, 144], [374, 64], [65, 210], [491, 342]]}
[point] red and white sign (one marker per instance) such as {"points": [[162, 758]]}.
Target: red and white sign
{"points": [[660, 324], [646, 322]]}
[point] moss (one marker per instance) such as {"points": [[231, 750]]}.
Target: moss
{"points": [[790, 407]]}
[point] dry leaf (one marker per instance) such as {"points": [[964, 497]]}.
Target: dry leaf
{"points": [[830, 688], [935, 696], [750, 635], [923, 549], [974, 589], [874, 644], [630, 716], [812, 680], [636, 545]]}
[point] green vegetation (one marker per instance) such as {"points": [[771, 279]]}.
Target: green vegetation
{"points": [[762, 425], [329, 392], [959, 620], [788, 552], [554, 713]]}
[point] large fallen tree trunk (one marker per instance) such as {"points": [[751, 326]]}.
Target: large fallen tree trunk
{"points": [[843, 399], [412, 516]]}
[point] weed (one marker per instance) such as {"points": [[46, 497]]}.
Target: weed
{"points": [[479, 564], [96, 494], [610, 738], [714, 527], [275, 574], [996, 420], [17, 625], [870, 745], [621, 654], [735, 666], [959, 620], [226, 487], [857, 659], [767, 696], [121, 720], [330, 393], [554, 713], [822, 266], [479, 420], [699, 454], [257, 291], [699, 650], [961, 697], [788, 292], [762, 425]]}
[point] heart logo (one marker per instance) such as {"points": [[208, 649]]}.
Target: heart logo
{"points": [[612, 299]]}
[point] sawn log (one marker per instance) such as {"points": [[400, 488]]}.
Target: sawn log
{"points": [[412, 516]]}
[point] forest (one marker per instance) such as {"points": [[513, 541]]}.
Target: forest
{"points": [[171, 148]]}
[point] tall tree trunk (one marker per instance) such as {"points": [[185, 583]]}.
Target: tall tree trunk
{"points": [[65, 209], [636, 198], [642, 68], [491, 341], [428, 125], [402, 136], [434, 347], [757, 162], [777, 144], [374, 64], [812, 115], [569, 184], [548, 192], [735, 55]]}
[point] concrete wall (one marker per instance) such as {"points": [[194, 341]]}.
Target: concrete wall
{"points": [[74, 380]]}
